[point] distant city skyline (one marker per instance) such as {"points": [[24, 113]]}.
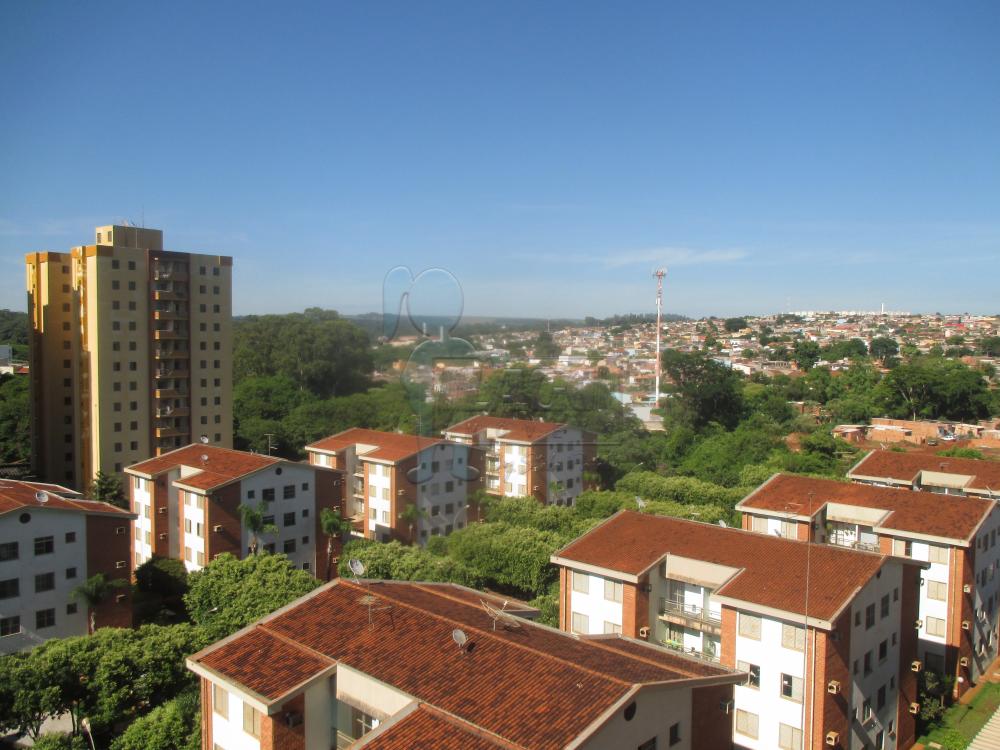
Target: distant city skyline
{"points": [[773, 157]]}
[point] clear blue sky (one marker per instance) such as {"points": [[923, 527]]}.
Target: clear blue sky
{"points": [[772, 155]]}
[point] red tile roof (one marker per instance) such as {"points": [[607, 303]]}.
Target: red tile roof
{"points": [[386, 446], [554, 684], [429, 728], [520, 430], [907, 467], [924, 513], [771, 571], [220, 466], [15, 495]]}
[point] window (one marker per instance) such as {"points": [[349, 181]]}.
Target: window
{"points": [[902, 548], [883, 651], [288, 547], [8, 551], [45, 618], [884, 607], [70, 537], [791, 688], [268, 495], [581, 623], [289, 519], [937, 590], [746, 723], [10, 626], [935, 626], [750, 626], [220, 701], [869, 616], [10, 588], [288, 491], [251, 720], [45, 582], [613, 591], [44, 545], [937, 555], [793, 637], [753, 670], [581, 582], [611, 628], [71, 608], [648, 745], [675, 734], [880, 699], [868, 663], [789, 738]]}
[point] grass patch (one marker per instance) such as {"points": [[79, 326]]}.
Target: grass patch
{"points": [[962, 722]]}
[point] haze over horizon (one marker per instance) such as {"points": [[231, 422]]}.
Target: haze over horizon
{"points": [[774, 157]]}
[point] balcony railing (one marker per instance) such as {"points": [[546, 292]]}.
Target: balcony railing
{"points": [[707, 653], [691, 611]]}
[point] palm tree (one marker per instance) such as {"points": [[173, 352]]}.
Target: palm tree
{"points": [[93, 592], [412, 514], [334, 526], [253, 519]]}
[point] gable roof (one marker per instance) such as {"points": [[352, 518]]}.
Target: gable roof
{"points": [[219, 467], [983, 475], [375, 444], [556, 684], [518, 430], [924, 513], [770, 571], [16, 495]]}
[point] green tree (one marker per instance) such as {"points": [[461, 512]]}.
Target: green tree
{"points": [[934, 388], [252, 517], [989, 346], [882, 348], [412, 515], [545, 348], [335, 527], [95, 591], [107, 488], [15, 419], [175, 725], [732, 325], [805, 354], [704, 390], [229, 594], [161, 583], [61, 741]]}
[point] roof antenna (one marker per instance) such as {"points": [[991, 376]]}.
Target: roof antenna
{"points": [[506, 619]]}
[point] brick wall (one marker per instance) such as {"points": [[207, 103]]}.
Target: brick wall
{"points": [[276, 734], [727, 641], [330, 493], [961, 572], [206, 714], [538, 472], [635, 607], [105, 550], [909, 597], [222, 509], [711, 725], [832, 658]]}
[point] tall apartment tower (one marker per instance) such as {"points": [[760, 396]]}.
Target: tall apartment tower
{"points": [[131, 353]]}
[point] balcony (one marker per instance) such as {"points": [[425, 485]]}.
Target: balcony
{"points": [[169, 335], [708, 653], [171, 373], [165, 432], [169, 274], [169, 392], [170, 314], [690, 615], [169, 294], [177, 411], [171, 354]]}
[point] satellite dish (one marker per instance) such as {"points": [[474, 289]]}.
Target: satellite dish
{"points": [[460, 638], [723, 524], [204, 439], [357, 567], [204, 457], [41, 497]]}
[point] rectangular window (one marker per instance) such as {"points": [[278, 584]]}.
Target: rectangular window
{"points": [[45, 618], [251, 720], [611, 628], [10, 626], [937, 591], [789, 738], [935, 626], [268, 495], [675, 734], [10, 588], [869, 616], [289, 519], [880, 699], [750, 626], [937, 554], [70, 537], [868, 663], [70, 573], [884, 607], [288, 547], [8, 551], [45, 582], [613, 591], [581, 582], [902, 548], [220, 701], [288, 491], [581, 623], [791, 688], [44, 545], [746, 723], [793, 637], [883, 651]]}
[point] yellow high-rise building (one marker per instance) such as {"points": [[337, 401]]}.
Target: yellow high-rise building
{"points": [[131, 353]]}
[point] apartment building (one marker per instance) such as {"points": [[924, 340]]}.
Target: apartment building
{"points": [[826, 634], [929, 472], [955, 536], [522, 458], [131, 353], [187, 505], [51, 541], [403, 487], [397, 665]]}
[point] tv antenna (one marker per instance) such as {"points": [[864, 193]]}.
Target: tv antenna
{"points": [[659, 273], [460, 638], [41, 497], [501, 615]]}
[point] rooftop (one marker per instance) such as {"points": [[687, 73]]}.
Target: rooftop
{"points": [[923, 513], [770, 571], [556, 684], [215, 466], [384, 446], [521, 430], [16, 495], [906, 467]]}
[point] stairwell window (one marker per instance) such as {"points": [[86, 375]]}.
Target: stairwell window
{"points": [[220, 701], [251, 720]]}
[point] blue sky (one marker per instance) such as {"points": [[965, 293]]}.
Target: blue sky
{"points": [[771, 155]]}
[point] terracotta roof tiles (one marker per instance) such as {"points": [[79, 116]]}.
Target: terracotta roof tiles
{"points": [[15, 495], [386, 446], [520, 430], [222, 466], [906, 467]]}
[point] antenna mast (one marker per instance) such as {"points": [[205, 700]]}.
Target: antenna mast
{"points": [[659, 273]]}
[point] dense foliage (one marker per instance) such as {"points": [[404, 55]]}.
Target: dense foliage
{"points": [[15, 419]]}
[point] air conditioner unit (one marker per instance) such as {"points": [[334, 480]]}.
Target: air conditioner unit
{"points": [[967, 588], [914, 708], [644, 632], [832, 738], [918, 624], [916, 666], [119, 530], [162, 510], [162, 535], [963, 661], [120, 564], [833, 687], [217, 528], [400, 492], [966, 625]]}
